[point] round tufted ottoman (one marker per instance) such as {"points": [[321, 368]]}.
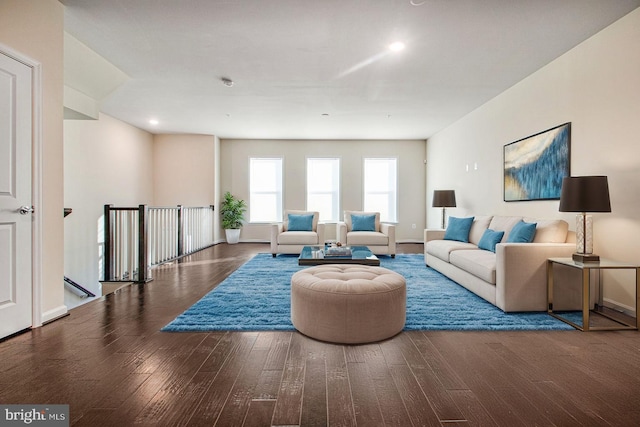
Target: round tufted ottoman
{"points": [[349, 304]]}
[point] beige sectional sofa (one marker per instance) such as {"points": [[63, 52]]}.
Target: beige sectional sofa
{"points": [[514, 277]]}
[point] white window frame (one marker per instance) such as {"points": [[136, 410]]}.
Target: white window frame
{"points": [[391, 214], [278, 192], [334, 215]]}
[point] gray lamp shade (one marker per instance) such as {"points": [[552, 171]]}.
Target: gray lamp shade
{"points": [[585, 194], [444, 199]]}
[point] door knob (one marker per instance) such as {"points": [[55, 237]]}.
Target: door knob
{"points": [[24, 210]]}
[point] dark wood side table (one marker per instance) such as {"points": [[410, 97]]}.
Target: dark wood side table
{"points": [[617, 322]]}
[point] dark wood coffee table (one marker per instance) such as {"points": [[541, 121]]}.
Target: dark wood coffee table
{"points": [[310, 255]]}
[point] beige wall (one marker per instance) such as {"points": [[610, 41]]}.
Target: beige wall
{"points": [[106, 162], [35, 29], [596, 87], [110, 162], [235, 154], [217, 190], [183, 170]]}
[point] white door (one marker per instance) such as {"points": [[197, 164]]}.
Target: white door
{"points": [[15, 192]]}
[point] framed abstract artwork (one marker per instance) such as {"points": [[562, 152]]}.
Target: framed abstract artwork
{"points": [[535, 166]]}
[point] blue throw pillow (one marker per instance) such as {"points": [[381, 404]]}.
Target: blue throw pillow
{"points": [[490, 239], [363, 222], [300, 222], [458, 229], [522, 232]]}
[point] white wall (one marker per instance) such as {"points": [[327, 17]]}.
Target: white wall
{"points": [[596, 87], [35, 29], [106, 162], [184, 170], [235, 154]]}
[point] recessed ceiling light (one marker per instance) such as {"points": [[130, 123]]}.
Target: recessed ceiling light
{"points": [[396, 46], [153, 122]]}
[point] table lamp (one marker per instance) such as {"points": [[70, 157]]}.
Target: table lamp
{"points": [[585, 194], [444, 199]]}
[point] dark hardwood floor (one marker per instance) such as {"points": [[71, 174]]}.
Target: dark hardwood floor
{"points": [[109, 361]]}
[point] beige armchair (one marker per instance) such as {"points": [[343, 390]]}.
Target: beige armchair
{"points": [[380, 239], [285, 240]]}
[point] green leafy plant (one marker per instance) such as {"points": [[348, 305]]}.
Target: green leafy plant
{"points": [[232, 211]]}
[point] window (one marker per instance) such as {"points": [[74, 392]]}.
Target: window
{"points": [[265, 190], [380, 188], [323, 188]]}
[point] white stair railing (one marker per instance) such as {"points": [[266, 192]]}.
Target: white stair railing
{"points": [[139, 238]]}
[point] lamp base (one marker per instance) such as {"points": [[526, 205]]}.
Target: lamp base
{"points": [[578, 257]]}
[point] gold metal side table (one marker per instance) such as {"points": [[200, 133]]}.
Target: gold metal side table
{"points": [[599, 310]]}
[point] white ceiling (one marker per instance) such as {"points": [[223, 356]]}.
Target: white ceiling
{"points": [[294, 60]]}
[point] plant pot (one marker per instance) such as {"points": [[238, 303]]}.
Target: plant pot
{"points": [[233, 235]]}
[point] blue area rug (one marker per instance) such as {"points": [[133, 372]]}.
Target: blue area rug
{"points": [[256, 297]]}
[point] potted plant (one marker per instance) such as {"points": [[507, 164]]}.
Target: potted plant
{"points": [[232, 212]]}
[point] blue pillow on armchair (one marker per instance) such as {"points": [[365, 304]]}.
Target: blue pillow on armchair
{"points": [[458, 229], [300, 222], [363, 222]]}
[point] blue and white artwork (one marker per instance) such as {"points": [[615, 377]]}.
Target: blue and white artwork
{"points": [[535, 166]]}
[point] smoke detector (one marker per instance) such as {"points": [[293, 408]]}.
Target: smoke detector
{"points": [[227, 82]]}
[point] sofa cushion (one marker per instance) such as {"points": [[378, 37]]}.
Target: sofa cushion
{"points": [[490, 239], [367, 238], [458, 229], [300, 222], [480, 224], [480, 263], [298, 238], [522, 232], [363, 222], [443, 248], [504, 223], [550, 231]]}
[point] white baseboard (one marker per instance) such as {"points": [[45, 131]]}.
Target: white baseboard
{"points": [[53, 314], [614, 305]]}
